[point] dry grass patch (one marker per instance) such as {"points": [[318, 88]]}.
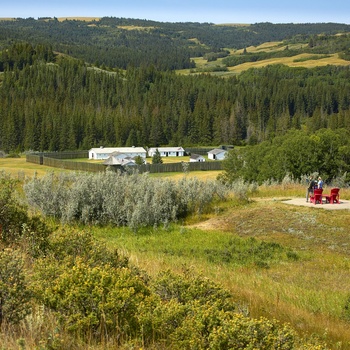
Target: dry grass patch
{"points": [[131, 27], [291, 62], [86, 19], [18, 167]]}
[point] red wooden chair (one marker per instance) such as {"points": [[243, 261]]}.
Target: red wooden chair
{"points": [[317, 196], [334, 196]]}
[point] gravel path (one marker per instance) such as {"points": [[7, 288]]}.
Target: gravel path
{"points": [[344, 204]]}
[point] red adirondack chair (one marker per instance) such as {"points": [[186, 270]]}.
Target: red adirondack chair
{"points": [[333, 197], [317, 196]]}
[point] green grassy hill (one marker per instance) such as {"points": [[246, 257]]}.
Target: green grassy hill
{"points": [[302, 56]]}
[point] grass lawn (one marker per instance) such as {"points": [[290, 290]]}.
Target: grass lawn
{"points": [[18, 167]]}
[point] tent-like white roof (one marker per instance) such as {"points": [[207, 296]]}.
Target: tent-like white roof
{"points": [[167, 149], [105, 150]]}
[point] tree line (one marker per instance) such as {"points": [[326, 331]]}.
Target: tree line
{"points": [[55, 103], [296, 155]]}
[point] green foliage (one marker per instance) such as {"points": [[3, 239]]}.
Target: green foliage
{"points": [[12, 215], [101, 299], [346, 310], [245, 252], [21, 54], [257, 105], [295, 154], [68, 245], [157, 158], [14, 293], [139, 160], [97, 297], [16, 227], [189, 287], [122, 200], [244, 333]]}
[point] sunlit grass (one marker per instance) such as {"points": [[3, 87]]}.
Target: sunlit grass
{"points": [[306, 285], [19, 168], [307, 60], [308, 290]]}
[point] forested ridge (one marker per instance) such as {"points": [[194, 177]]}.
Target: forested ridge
{"points": [[66, 105], [110, 41], [51, 101]]}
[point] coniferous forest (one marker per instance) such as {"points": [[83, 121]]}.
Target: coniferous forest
{"points": [[65, 85]]}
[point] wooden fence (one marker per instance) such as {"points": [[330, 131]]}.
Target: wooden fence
{"points": [[58, 160], [179, 167]]}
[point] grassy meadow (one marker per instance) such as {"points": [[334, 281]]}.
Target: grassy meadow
{"points": [[279, 261], [283, 262], [307, 60]]}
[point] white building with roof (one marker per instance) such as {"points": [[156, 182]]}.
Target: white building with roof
{"points": [[167, 151], [217, 154], [196, 158], [105, 152]]}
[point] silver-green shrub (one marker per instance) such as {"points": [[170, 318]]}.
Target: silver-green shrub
{"points": [[119, 199]]}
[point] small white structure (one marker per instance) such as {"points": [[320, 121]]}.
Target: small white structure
{"points": [[217, 154], [196, 158], [118, 158], [167, 151], [105, 152]]}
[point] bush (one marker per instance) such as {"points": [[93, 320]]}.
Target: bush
{"points": [[190, 287], [346, 310], [101, 299], [113, 198], [12, 215], [14, 294], [16, 227]]}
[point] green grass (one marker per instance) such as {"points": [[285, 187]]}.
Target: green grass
{"points": [[18, 167], [283, 262], [307, 60]]}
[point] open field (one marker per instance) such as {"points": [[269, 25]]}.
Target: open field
{"points": [[18, 167], [307, 60], [307, 286], [286, 262]]}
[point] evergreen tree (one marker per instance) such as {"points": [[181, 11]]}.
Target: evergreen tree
{"points": [[157, 159]]}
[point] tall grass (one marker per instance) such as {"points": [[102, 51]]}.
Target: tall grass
{"points": [[307, 285]]}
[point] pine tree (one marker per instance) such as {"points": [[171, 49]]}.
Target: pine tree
{"points": [[157, 158]]}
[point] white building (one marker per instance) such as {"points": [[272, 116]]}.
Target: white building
{"points": [[105, 152], [217, 154], [167, 151], [196, 158]]}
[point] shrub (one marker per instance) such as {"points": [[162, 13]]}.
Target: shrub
{"points": [[14, 294], [101, 300], [240, 332], [12, 215], [346, 310], [119, 199], [190, 287], [67, 245], [16, 227]]}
